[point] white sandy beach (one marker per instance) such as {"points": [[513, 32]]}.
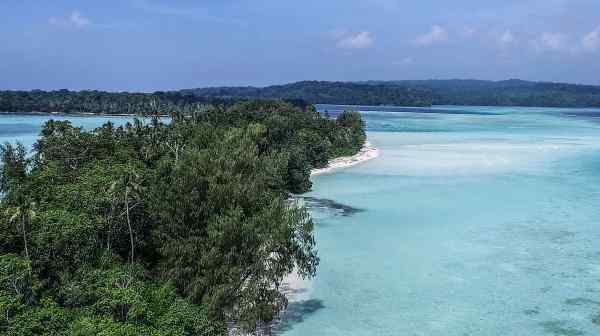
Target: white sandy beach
{"points": [[367, 152]]}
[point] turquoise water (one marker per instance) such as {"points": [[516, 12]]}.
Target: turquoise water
{"points": [[26, 128], [473, 221]]}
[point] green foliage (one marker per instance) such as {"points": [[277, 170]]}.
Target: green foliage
{"points": [[47, 318], [161, 229], [350, 135], [14, 170], [17, 279], [101, 102], [62, 240]]}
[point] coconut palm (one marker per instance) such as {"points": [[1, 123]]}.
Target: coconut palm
{"points": [[129, 187], [22, 214]]}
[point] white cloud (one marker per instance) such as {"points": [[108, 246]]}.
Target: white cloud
{"points": [[73, 20], [405, 61], [78, 20], [361, 40], [507, 38], [591, 40], [437, 34], [551, 42]]}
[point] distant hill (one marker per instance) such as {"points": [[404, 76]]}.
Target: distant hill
{"points": [[513, 92], [316, 92]]}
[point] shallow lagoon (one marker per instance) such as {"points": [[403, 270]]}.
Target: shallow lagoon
{"points": [[482, 221], [26, 128]]}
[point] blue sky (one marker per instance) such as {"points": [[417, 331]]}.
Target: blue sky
{"points": [[146, 45]]}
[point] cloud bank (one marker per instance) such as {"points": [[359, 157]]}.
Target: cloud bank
{"points": [[73, 20], [551, 42], [437, 34], [361, 40], [591, 40]]}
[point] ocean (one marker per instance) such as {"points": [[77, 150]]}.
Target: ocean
{"points": [[472, 221]]}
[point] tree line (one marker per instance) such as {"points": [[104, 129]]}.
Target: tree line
{"points": [[102, 102], [162, 228]]}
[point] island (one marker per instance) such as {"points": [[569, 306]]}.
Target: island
{"points": [[178, 227]]}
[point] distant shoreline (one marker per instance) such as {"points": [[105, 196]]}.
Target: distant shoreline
{"points": [[83, 114]]}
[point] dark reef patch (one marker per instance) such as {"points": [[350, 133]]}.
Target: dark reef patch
{"points": [[327, 204], [532, 312], [581, 302], [295, 313], [596, 319]]}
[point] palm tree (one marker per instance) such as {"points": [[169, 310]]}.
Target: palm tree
{"points": [[22, 213], [113, 200], [129, 185]]}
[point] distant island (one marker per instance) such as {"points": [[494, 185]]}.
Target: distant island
{"points": [[512, 92]]}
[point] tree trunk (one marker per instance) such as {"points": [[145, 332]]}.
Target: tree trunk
{"points": [[129, 221], [110, 223], [24, 236]]}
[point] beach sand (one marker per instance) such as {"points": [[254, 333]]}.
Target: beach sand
{"points": [[367, 152]]}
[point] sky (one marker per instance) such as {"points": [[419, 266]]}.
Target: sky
{"points": [[147, 45]]}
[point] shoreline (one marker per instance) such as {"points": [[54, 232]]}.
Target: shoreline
{"points": [[293, 286], [82, 114], [366, 153]]}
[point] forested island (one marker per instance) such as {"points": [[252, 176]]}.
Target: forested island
{"points": [[397, 93], [102, 102], [162, 228]]}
